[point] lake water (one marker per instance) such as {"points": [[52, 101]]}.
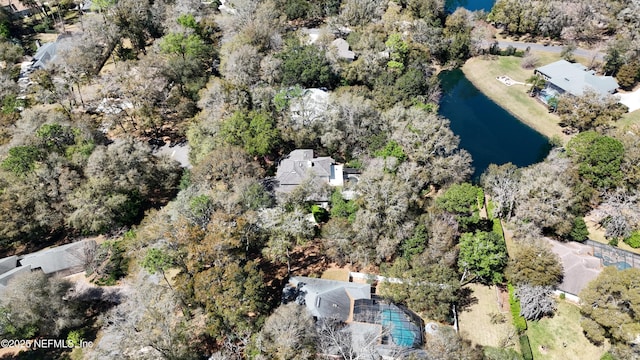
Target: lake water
{"points": [[486, 130], [471, 5]]}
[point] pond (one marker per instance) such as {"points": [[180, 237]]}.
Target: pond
{"points": [[488, 132], [471, 5]]}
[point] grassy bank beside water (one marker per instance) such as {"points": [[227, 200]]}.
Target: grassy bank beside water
{"points": [[483, 71]]}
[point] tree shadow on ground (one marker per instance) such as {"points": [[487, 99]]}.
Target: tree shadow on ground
{"points": [[467, 300]]}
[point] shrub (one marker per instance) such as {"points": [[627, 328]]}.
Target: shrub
{"points": [[613, 242], [579, 232], [607, 356], [109, 263], [320, 214], [633, 240], [525, 347], [480, 198], [497, 318], [75, 337], [497, 228], [562, 296], [518, 320], [529, 61]]}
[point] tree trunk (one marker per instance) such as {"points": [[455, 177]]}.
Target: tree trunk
{"points": [[288, 263], [80, 94]]}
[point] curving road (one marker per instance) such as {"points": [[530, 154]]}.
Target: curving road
{"points": [[552, 48]]}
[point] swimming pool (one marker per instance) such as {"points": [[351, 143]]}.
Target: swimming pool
{"points": [[606, 261], [402, 333]]}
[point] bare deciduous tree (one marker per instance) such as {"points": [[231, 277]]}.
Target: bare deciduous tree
{"points": [[535, 301], [149, 324], [501, 182], [37, 304], [289, 333], [336, 339], [619, 213], [545, 196]]}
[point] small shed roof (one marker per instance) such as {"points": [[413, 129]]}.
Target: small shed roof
{"points": [[48, 53], [574, 78]]}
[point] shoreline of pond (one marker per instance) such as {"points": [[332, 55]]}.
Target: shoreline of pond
{"points": [[490, 133], [549, 129]]}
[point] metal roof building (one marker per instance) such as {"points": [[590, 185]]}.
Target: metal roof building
{"points": [[575, 78]]}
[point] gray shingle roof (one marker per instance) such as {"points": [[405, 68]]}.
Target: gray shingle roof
{"points": [[68, 257], [8, 263], [48, 53], [299, 166], [574, 78], [45, 54], [327, 298]]}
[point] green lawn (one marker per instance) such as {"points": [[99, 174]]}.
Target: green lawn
{"points": [[483, 71], [562, 336], [630, 119]]}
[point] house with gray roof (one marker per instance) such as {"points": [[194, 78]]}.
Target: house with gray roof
{"points": [[329, 298], [366, 316], [47, 53], [573, 78], [301, 165], [63, 260]]}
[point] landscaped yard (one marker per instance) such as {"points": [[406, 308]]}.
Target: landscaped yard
{"points": [[475, 322], [482, 72], [562, 337]]}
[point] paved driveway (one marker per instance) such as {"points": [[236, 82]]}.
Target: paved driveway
{"points": [[551, 48]]}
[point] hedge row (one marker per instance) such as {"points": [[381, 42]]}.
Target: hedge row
{"points": [[633, 240], [525, 348], [518, 320]]}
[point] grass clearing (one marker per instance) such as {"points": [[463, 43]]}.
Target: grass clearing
{"points": [[482, 72], [339, 274], [475, 321], [596, 233], [629, 119], [561, 337]]}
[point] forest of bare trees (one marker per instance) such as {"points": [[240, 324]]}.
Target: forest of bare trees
{"points": [[199, 254]]}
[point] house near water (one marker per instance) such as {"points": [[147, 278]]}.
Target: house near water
{"points": [[573, 78]]}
